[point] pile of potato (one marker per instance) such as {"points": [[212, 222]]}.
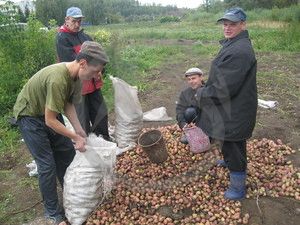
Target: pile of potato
{"points": [[188, 188]]}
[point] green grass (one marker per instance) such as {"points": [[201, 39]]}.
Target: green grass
{"points": [[184, 30], [10, 202], [207, 49], [9, 138], [284, 38], [290, 14]]}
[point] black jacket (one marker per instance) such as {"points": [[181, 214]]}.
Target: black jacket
{"points": [[228, 101], [68, 43], [186, 99]]}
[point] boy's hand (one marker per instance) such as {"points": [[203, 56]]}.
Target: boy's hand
{"points": [[79, 143]]}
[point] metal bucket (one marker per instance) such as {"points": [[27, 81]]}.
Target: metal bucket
{"points": [[197, 139], [153, 144]]}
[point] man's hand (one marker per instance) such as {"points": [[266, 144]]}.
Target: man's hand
{"points": [[79, 143], [192, 125], [81, 132], [189, 125]]}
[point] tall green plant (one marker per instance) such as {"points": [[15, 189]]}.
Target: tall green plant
{"points": [[22, 53], [39, 47]]}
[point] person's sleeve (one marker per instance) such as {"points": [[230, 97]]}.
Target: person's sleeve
{"points": [[230, 76], [64, 49], [56, 97], [181, 106]]}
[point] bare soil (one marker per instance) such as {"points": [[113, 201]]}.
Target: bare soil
{"points": [[280, 123]]}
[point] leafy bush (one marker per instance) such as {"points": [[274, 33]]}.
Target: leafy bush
{"points": [[39, 47], [103, 37], [168, 19], [22, 53]]}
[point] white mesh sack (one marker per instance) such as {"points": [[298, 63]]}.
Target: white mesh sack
{"points": [[88, 179], [129, 114]]}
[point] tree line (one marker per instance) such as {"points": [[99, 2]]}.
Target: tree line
{"points": [[218, 5], [116, 11], [102, 11]]}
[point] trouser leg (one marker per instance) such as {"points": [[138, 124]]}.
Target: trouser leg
{"points": [[235, 158], [98, 113], [64, 153], [35, 134], [235, 155]]}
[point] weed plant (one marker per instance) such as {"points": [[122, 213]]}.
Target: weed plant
{"points": [[289, 14], [284, 38]]}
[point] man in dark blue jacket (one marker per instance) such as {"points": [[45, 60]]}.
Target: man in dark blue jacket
{"points": [[228, 101]]}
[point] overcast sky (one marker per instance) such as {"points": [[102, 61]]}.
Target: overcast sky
{"points": [[178, 3]]}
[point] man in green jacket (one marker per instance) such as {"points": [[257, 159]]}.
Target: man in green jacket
{"points": [[47, 94], [228, 100]]}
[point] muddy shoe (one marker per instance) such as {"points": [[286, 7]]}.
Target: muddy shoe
{"points": [[55, 220], [184, 140]]}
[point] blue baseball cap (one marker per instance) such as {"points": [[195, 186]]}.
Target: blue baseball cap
{"points": [[74, 12], [234, 15]]}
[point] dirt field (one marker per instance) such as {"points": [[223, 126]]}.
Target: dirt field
{"points": [[282, 122]]}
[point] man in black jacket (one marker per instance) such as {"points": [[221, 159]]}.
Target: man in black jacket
{"points": [[228, 101], [186, 108], [92, 110]]}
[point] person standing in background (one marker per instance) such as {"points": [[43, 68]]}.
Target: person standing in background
{"points": [[92, 111]]}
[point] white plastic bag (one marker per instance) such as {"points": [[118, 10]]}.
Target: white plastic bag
{"points": [[129, 114], [267, 104], [157, 114], [33, 172], [88, 179]]}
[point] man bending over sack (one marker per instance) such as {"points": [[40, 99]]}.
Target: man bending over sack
{"points": [[52, 91]]}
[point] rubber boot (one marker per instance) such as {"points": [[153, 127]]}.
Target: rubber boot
{"points": [[237, 187]]}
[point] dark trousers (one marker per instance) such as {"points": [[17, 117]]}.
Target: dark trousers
{"points": [[235, 156], [92, 114], [53, 153]]}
